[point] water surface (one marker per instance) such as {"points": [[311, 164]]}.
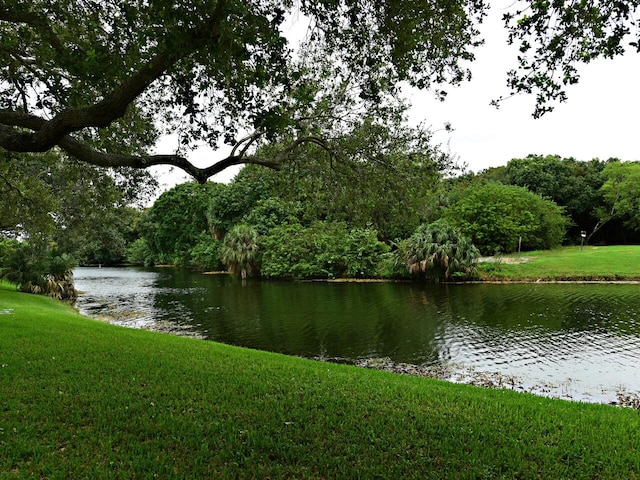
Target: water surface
{"points": [[578, 341]]}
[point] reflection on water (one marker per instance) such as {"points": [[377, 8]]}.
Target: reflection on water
{"points": [[580, 341]]}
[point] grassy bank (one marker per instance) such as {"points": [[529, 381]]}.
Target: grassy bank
{"points": [[84, 399], [621, 262]]}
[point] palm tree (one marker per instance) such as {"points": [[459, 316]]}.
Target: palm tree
{"points": [[239, 250], [39, 270], [438, 250]]}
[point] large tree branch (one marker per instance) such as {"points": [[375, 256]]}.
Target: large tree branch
{"points": [[87, 154], [84, 152], [114, 104]]}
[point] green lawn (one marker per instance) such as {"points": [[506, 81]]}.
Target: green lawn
{"points": [[569, 263], [84, 399]]}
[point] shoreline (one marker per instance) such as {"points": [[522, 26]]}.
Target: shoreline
{"points": [[452, 374]]}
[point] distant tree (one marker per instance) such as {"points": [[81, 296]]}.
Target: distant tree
{"points": [[228, 204], [570, 183], [271, 213], [205, 255], [439, 251], [497, 216], [176, 221], [621, 192]]}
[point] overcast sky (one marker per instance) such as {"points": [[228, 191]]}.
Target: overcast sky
{"points": [[600, 118]]}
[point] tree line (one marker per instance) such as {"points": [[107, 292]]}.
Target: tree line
{"points": [[405, 214], [385, 224]]}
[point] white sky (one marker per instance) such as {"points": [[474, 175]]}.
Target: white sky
{"points": [[600, 118]]}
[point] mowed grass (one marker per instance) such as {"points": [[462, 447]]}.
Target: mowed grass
{"points": [[620, 262], [84, 399]]}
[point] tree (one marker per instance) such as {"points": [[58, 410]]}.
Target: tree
{"points": [[392, 159], [35, 270], [439, 251], [101, 80], [570, 183], [83, 209], [621, 193], [497, 216], [239, 250], [176, 221], [228, 204]]}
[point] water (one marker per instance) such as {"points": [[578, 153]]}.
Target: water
{"points": [[565, 340]]}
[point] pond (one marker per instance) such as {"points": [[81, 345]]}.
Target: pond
{"points": [[577, 341]]}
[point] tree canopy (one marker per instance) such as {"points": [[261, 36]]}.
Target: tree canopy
{"points": [[102, 80]]}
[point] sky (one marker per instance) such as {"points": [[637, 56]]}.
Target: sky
{"points": [[599, 119]]}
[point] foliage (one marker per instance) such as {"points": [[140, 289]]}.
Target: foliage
{"points": [[139, 253], [239, 250], [554, 37], [363, 253], [570, 183], [369, 160], [205, 255], [228, 204], [83, 209], [438, 250], [37, 270], [7, 247], [272, 212], [176, 221], [102, 79], [322, 250], [497, 216], [621, 193]]}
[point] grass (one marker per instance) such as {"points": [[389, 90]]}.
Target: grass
{"points": [[85, 399], [568, 263]]}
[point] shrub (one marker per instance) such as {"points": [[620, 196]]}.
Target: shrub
{"points": [[495, 216], [239, 250], [41, 270], [322, 250], [438, 250], [206, 254], [139, 253], [363, 253]]}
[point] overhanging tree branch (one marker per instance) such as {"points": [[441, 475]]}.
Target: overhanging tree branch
{"points": [[87, 154]]}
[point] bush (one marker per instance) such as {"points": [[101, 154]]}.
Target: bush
{"points": [[439, 251], [293, 251], [40, 270], [322, 250], [363, 253], [139, 253], [206, 254], [7, 247], [495, 216]]}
